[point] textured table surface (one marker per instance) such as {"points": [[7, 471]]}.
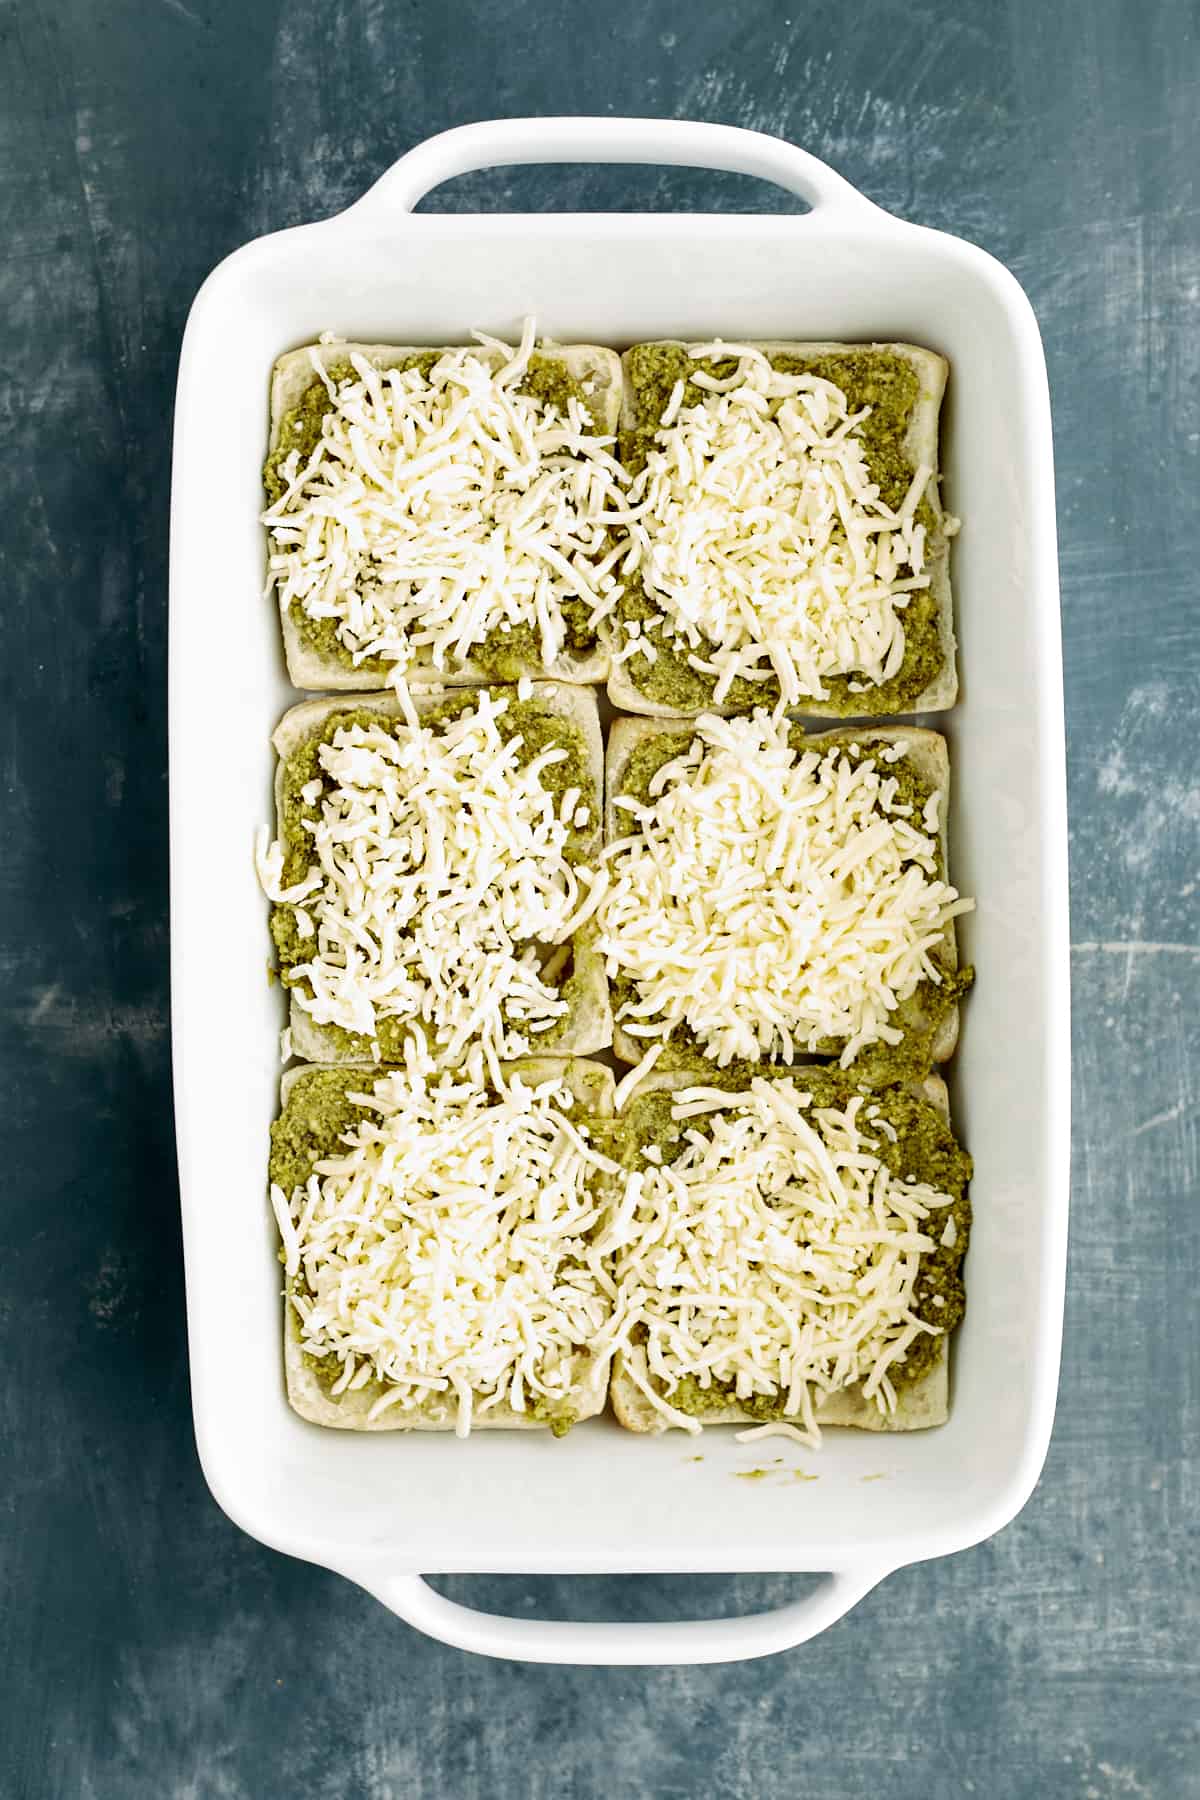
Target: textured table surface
{"points": [[152, 1651]]}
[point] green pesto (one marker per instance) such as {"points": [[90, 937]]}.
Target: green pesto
{"points": [[552, 1413], [328, 1368], [890, 386], [573, 989], [879, 1065], [925, 1149], [544, 1411], [504, 654], [648, 757], [550, 381], [317, 1117], [538, 727], [920, 1017], [300, 430], [645, 1120]]}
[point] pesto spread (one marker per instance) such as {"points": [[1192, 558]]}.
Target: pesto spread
{"points": [[504, 654], [890, 386], [538, 728], [921, 1016], [318, 1117]]}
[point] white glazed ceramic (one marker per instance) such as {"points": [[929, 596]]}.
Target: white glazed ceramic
{"points": [[384, 1510]]}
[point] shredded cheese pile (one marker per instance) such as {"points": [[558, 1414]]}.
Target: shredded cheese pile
{"points": [[446, 1248], [439, 864], [772, 901], [776, 1252], [437, 510], [756, 529]]}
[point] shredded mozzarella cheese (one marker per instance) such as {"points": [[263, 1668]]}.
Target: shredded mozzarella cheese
{"points": [[440, 863], [756, 528], [445, 1248], [772, 901], [438, 510], [629, 1084], [776, 1254]]}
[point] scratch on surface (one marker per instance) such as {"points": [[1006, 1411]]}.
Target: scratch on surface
{"points": [[98, 226], [45, 1004], [1137, 947], [1120, 1781], [1162, 1118], [1144, 822], [85, 1030], [177, 6], [109, 1290]]}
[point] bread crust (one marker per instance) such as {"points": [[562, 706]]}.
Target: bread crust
{"points": [[309, 667], [920, 446], [587, 1028], [930, 757], [307, 1391], [920, 1405]]}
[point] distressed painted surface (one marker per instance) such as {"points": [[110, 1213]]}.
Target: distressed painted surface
{"points": [[150, 1650]]}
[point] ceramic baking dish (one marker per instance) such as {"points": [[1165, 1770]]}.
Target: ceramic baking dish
{"points": [[385, 1510]]}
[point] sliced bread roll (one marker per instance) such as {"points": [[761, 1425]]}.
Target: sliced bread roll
{"points": [[631, 685], [308, 1386], [587, 1027], [315, 664], [923, 1402], [928, 755]]}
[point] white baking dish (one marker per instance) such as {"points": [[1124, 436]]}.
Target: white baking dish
{"points": [[382, 1510]]}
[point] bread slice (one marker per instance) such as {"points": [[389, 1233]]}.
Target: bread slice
{"points": [[588, 1026], [308, 1390], [922, 1403], [920, 446], [927, 752], [310, 667]]}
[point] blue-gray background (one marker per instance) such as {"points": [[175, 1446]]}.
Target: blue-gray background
{"points": [[149, 1649]]}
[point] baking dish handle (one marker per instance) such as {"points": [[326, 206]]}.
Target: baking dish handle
{"points": [[494, 143], [622, 1644]]}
